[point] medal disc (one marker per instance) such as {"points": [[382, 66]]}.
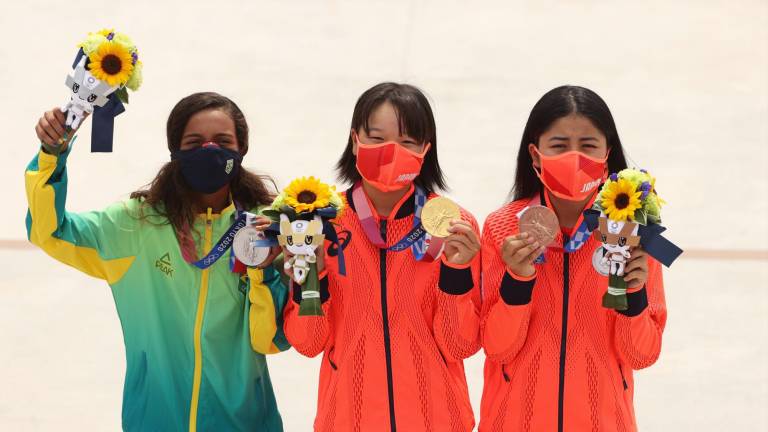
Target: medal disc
{"points": [[246, 251], [540, 223], [603, 269], [437, 214]]}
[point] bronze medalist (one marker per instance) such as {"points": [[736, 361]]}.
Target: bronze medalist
{"points": [[437, 214], [540, 223]]}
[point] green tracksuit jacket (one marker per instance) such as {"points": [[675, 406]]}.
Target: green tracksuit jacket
{"points": [[195, 339]]}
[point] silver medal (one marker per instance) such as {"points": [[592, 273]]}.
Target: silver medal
{"points": [[246, 251], [603, 269]]}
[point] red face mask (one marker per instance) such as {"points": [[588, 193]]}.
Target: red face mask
{"points": [[389, 166], [572, 176]]}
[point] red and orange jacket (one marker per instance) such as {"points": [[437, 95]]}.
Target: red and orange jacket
{"points": [[556, 359], [394, 334]]}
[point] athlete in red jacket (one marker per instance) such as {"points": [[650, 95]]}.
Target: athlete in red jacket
{"points": [[556, 359], [397, 325]]}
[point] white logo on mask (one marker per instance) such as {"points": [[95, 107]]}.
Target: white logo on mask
{"points": [[230, 165]]}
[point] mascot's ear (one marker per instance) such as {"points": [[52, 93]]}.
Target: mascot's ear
{"points": [[285, 225], [315, 227]]}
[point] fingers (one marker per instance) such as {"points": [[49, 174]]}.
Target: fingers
{"points": [[521, 250], [457, 244], [464, 229], [60, 115], [261, 223], [527, 253], [515, 242], [55, 123], [637, 254], [635, 277], [636, 264], [460, 241], [638, 260], [49, 129], [43, 136], [535, 254]]}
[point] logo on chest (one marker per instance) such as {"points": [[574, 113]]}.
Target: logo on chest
{"points": [[163, 264]]}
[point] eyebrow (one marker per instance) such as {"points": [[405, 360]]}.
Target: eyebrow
{"points": [[559, 138], [197, 135]]}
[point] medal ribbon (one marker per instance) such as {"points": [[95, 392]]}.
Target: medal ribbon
{"points": [[422, 245], [242, 219]]}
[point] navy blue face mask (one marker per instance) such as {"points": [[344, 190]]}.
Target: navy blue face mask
{"points": [[209, 167]]}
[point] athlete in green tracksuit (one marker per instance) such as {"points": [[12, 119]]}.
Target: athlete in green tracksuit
{"points": [[195, 339]]}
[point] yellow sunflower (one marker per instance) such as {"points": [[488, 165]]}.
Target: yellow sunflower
{"points": [[111, 63], [620, 200], [307, 194]]}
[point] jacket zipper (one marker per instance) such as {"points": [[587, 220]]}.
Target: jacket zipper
{"points": [[330, 362], [385, 321], [623, 380], [504, 372], [198, 371], [563, 339]]}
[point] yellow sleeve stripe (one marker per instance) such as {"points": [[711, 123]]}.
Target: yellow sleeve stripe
{"points": [[42, 207], [261, 318]]}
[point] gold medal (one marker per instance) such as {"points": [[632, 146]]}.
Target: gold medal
{"points": [[437, 214]]}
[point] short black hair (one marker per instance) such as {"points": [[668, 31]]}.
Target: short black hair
{"points": [[416, 120], [555, 104]]}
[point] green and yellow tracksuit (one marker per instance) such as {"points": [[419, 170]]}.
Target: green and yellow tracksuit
{"points": [[194, 339]]}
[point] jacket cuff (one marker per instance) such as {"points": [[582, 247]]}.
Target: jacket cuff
{"points": [[324, 293], [516, 290], [637, 301], [455, 281], [58, 161]]}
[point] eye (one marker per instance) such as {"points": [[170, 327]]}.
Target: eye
{"points": [[75, 87], [91, 98], [289, 240], [622, 241], [604, 238], [308, 239]]}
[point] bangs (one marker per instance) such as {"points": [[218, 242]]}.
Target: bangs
{"points": [[412, 109], [415, 120]]}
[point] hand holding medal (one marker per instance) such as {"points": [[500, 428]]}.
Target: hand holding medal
{"points": [[538, 227], [250, 244], [441, 218]]}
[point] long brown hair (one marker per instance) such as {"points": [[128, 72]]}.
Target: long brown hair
{"points": [[169, 194]]}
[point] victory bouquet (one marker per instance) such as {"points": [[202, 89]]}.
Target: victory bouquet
{"points": [[627, 214], [305, 211], [107, 65]]}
